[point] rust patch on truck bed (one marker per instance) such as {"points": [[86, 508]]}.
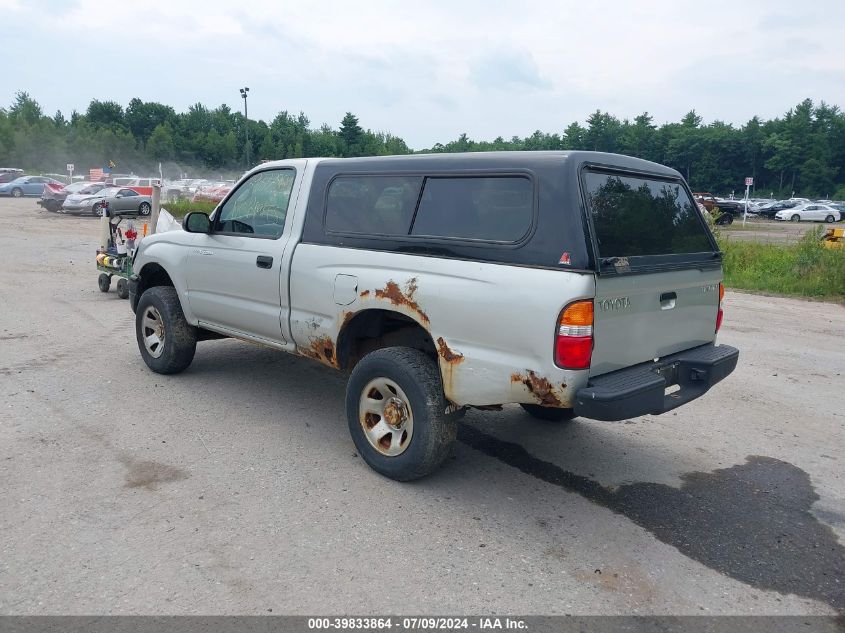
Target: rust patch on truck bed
{"points": [[365, 294], [540, 387], [399, 297], [453, 358]]}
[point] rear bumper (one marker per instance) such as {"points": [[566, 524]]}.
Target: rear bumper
{"points": [[641, 389]]}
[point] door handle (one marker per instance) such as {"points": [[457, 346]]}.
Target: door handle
{"points": [[264, 261]]}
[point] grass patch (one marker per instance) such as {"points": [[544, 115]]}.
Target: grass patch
{"points": [[181, 208], [804, 269]]}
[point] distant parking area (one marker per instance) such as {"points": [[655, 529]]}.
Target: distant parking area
{"points": [[234, 488]]}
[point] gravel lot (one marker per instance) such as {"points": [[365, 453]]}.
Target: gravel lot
{"points": [[235, 488], [758, 229]]}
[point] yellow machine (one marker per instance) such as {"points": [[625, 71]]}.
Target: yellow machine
{"points": [[834, 238]]}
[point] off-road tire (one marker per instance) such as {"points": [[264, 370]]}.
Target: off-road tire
{"points": [[548, 414], [180, 341], [122, 288], [433, 430], [104, 282]]}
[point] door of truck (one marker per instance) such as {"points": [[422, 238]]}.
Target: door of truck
{"points": [[235, 272], [659, 269]]}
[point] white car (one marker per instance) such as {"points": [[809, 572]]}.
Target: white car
{"points": [[815, 212]]}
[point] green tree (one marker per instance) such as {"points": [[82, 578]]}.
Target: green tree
{"points": [[351, 135], [160, 145], [105, 114]]}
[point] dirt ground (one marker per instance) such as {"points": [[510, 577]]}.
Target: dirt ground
{"points": [[234, 488], [772, 231]]}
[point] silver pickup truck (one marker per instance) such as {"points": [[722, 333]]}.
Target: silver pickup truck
{"points": [[571, 283]]}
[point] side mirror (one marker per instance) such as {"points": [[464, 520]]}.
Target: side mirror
{"points": [[196, 222]]}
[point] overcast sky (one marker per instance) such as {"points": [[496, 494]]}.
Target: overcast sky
{"points": [[427, 71]]}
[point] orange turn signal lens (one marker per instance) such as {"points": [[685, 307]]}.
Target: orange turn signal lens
{"points": [[578, 313], [721, 291]]}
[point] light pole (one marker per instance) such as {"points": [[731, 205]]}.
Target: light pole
{"points": [[244, 92]]}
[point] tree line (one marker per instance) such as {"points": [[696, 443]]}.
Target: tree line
{"points": [[801, 152]]}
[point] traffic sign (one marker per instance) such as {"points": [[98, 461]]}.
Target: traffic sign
{"points": [[70, 166], [749, 182]]}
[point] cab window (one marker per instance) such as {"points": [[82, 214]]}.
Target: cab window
{"points": [[259, 206]]}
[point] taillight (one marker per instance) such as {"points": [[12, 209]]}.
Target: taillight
{"points": [[574, 340], [720, 313]]}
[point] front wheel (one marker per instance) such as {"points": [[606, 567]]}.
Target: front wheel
{"points": [[96, 210], [17, 193], [145, 208], [122, 288], [396, 412], [548, 414], [165, 338], [795, 218]]}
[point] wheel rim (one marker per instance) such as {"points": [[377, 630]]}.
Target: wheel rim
{"points": [[17, 193], [152, 331], [145, 209], [386, 417], [829, 219], [796, 218]]}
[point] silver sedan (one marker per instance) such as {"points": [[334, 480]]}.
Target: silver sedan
{"points": [[119, 199]]}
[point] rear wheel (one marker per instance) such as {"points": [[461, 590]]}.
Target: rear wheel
{"points": [[145, 208], [51, 205], [395, 408], [165, 338], [548, 414], [830, 219], [104, 282], [795, 218]]}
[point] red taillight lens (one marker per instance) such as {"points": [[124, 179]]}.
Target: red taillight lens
{"points": [[574, 340], [573, 352], [720, 314]]}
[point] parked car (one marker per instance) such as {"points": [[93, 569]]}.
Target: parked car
{"points": [[770, 209], [54, 196], [26, 186], [450, 281], [727, 208], [183, 189], [144, 186], [118, 199], [119, 180], [813, 212], [9, 174], [214, 192]]}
